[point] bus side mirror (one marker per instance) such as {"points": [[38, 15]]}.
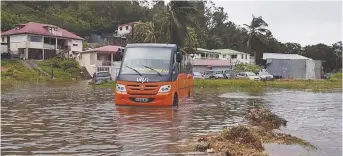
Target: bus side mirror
{"points": [[178, 57]]}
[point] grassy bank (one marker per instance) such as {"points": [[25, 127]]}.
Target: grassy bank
{"points": [[63, 70], [315, 85], [247, 85], [13, 71]]}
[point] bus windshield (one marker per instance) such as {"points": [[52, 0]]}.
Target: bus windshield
{"points": [[146, 60]]}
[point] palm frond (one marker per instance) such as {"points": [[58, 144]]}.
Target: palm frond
{"points": [[264, 31]]}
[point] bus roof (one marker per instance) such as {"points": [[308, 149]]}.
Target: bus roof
{"points": [[155, 45]]}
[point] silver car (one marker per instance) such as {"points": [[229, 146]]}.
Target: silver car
{"points": [[100, 77], [265, 76], [198, 75]]}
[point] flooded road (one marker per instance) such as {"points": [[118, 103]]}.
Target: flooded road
{"points": [[77, 119]]}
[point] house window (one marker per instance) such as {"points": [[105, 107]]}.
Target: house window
{"points": [[242, 56], [234, 56], [120, 28], [35, 38], [75, 44], [246, 57], [127, 27], [224, 56], [2, 39]]}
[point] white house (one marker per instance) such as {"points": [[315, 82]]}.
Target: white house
{"points": [[223, 54], [41, 41], [124, 29], [233, 56], [107, 58]]}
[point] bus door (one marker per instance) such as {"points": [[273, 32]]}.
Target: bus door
{"points": [[184, 78]]}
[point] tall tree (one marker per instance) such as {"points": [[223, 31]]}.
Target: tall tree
{"points": [[257, 30], [337, 50]]}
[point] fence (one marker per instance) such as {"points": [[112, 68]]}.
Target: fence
{"points": [[113, 70]]}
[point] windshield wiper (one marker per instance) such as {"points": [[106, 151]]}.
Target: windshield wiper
{"points": [[153, 70], [135, 70]]}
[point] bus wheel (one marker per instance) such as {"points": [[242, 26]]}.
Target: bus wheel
{"points": [[175, 101]]}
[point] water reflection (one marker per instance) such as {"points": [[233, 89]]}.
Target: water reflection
{"points": [[79, 119]]}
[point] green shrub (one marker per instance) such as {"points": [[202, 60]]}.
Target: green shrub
{"points": [[336, 76]]}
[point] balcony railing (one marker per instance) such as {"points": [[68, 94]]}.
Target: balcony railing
{"points": [[63, 47], [108, 63]]}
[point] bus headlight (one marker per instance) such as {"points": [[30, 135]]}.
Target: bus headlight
{"points": [[121, 88], [164, 89]]}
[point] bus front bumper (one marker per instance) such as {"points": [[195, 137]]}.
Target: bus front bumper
{"points": [[160, 99]]}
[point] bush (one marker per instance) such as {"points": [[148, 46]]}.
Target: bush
{"points": [[336, 76], [66, 64], [247, 68], [63, 68]]}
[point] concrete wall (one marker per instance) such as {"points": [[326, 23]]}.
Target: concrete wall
{"points": [[84, 60], [75, 45], [17, 41]]}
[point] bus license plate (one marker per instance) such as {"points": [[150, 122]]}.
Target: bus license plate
{"points": [[141, 99]]}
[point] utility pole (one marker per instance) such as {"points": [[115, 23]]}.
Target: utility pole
{"points": [[52, 71]]}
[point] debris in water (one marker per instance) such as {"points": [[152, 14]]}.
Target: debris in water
{"points": [[247, 140], [210, 150], [202, 146], [265, 118]]}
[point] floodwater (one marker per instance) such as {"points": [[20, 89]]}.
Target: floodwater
{"points": [[77, 119]]}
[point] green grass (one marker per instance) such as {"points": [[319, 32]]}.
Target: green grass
{"points": [[336, 76], [315, 85], [63, 70], [13, 71]]}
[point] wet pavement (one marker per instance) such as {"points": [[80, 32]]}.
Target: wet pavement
{"points": [[78, 119]]}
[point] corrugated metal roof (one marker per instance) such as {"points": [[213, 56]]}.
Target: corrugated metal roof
{"points": [[228, 51], [211, 63], [151, 45], [284, 56], [204, 50]]}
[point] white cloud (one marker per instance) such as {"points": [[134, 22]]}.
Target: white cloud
{"points": [[304, 22]]}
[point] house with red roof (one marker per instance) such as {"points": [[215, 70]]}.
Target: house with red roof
{"points": [[41, 41], [106, 58]]}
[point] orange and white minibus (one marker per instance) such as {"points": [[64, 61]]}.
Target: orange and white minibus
{"points": [[153, 75]]}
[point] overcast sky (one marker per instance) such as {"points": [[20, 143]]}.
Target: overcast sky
{"points": [[305, 22]]}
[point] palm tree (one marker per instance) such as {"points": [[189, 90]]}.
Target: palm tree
{"points": [[256, 31], [174, 19]]}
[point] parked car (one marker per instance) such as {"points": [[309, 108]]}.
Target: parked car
{"points": [[198, 75], [248, 75], [209, 74], [219, 74], [230, 74], [100, 77], [265, 76]]}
